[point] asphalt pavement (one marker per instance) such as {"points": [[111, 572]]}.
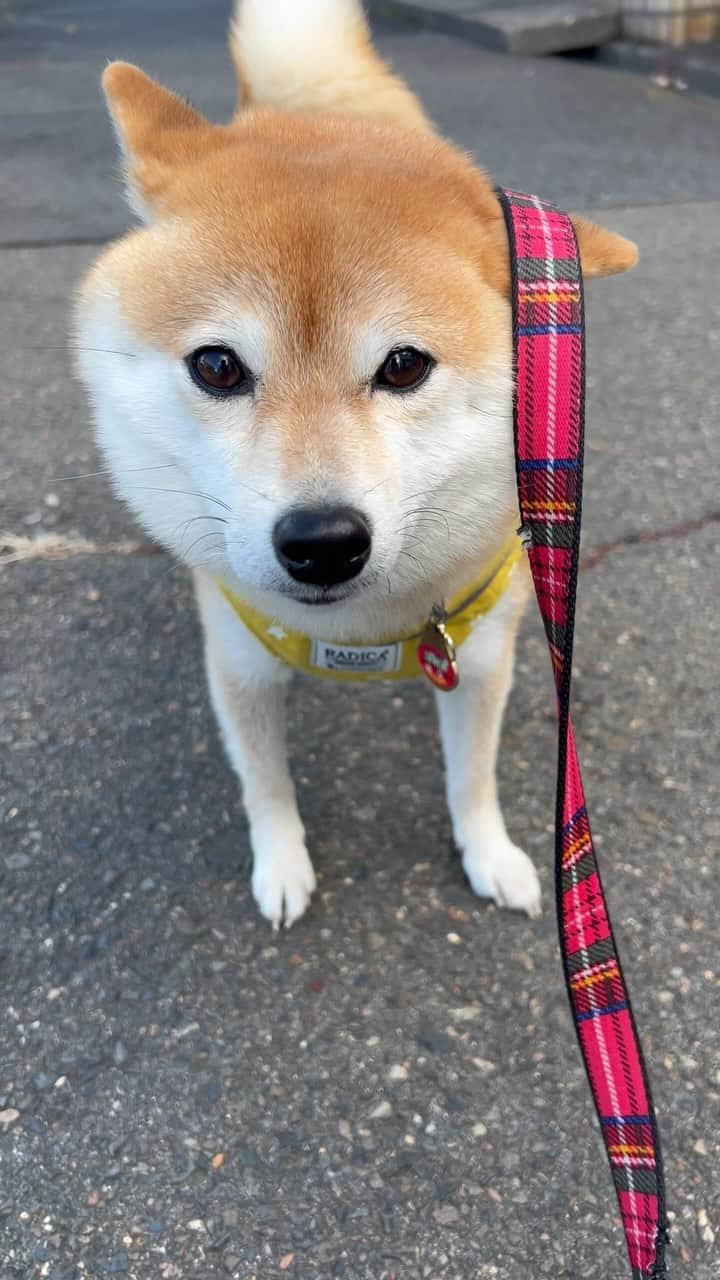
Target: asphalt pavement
{"points": [[391, 1089]]}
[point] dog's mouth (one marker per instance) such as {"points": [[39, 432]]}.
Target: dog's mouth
{"points": [[315, 597], [326, 597]]}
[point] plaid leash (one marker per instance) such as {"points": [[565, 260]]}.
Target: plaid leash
{"points": [[549, 343]]}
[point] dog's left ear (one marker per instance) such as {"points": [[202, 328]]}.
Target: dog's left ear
{"points": [[602, 253]]}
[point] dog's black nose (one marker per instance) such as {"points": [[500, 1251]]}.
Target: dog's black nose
{"points": [[322, 545]]}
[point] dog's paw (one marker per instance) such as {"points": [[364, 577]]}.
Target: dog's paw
{"points": [[283, 882], [497, 869]]}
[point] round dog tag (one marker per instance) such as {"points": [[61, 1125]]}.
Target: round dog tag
{"points": [[436, 656]]}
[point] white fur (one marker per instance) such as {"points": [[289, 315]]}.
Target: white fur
{"points": [[186, 463], [439, 490], [470, 720], [316, 55], [305, 44], [432, 471], [306, 41], [247, 687]]}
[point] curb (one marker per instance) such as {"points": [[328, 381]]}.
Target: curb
{"points": [[541, 27], [698, 66]]}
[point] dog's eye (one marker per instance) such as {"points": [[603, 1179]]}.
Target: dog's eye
{"points": [[218, 370], [403, 370]]}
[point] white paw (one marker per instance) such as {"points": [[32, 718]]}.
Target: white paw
{"points": [[283, 882], [497, 869]]}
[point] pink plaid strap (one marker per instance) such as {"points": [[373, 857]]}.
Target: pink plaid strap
{"points": [[549, 341]]}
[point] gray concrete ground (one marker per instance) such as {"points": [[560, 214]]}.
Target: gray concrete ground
{"points": [[393, 1088]]}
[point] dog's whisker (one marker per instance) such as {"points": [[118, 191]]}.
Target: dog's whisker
{"points": [[213, 533], [105, 351], [426, 518], [221, 519], [178, 562], [436, 490], [194, 519], [182, 528], [214, 560], [415, 521], [175, 563], [427, 528], [427, 513], [418, 542], [118, 471], [482, 412], [110, 471], [377, 486], [422, 567], [187, 493], [258, 492]]}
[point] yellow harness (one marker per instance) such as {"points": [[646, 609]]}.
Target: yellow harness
{"points": [[395, 659]]}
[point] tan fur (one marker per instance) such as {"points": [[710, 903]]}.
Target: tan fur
{"points": [[285, 211], [338, 207], [278, 212], [323, 227], [602, 253]]}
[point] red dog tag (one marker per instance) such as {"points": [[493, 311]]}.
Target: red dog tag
{"points": [[436, 655]]}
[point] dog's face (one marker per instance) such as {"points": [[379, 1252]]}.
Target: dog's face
{"points": [[302, 366]]}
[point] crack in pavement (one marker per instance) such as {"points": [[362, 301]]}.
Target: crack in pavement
{"points": [[15, 548], [638, 537]]}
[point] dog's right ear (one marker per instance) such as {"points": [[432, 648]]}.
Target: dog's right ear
{"points": [[158, 132]]}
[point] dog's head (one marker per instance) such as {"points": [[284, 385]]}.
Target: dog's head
{"points": [[301, 364]]}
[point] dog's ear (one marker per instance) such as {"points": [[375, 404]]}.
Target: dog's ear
{"points": [[158, 132], [602, 252]]}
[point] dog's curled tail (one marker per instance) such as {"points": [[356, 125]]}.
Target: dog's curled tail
{"points": [[316, 57]]}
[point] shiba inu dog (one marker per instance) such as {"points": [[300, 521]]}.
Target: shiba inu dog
{"points": [[301, 372]]}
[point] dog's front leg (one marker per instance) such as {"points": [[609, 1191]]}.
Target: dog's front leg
{"points": [[247, 688], [470, 720]]}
